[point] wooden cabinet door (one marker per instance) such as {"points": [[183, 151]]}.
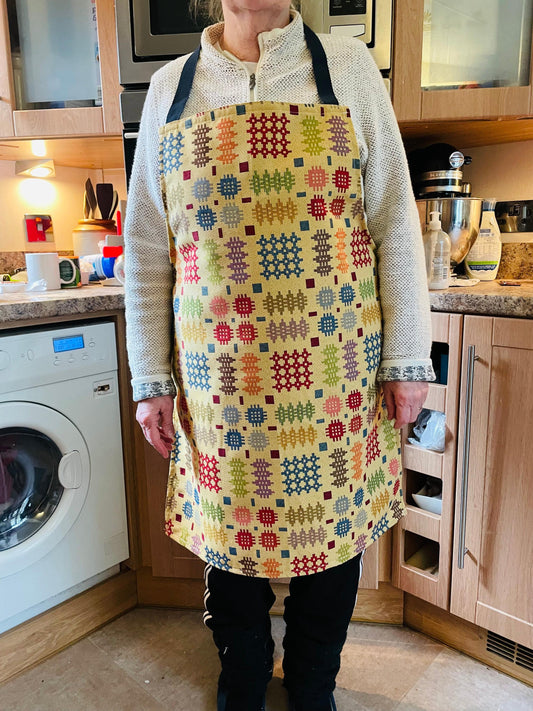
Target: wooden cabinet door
{"points": [[83, 121], [6, 76], [413, 104], [492, 577]]}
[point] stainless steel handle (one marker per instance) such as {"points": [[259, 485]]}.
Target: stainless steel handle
{"points": [[131, 134], [461, 550]]}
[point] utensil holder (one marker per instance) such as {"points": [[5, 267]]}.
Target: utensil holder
{"points": [[88, 233]]}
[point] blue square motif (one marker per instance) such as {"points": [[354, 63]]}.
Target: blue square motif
{"points": [[298, 162]]}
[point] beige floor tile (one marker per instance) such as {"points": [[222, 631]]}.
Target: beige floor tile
{"points": [[377, 673], [171, 649], [81, 678], [396, 634], [455, 682]]}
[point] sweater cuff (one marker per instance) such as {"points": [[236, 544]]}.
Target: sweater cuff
{"points": [[152, 386], [407, 370]]}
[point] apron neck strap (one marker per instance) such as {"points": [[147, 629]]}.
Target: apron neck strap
{"points": [[320, 70]]}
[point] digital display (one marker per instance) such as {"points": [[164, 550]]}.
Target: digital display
{"points": [[347, 7], [68, 343]]}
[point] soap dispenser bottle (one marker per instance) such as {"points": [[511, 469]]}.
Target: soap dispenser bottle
{"points": [[437, 247], [483, 259]]}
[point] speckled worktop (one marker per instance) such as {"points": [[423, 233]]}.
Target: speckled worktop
{"points": [[486, 299], [489, 299], [41, 305]]}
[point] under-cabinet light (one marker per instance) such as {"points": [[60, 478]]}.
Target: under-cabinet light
{"points": [[35, 168]]}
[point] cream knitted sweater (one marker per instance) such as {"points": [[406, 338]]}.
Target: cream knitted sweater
{"points": [[284, 73]]}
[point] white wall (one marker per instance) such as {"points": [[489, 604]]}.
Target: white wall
{"points": [[61, 197]]}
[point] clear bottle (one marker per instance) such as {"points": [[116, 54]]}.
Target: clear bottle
{"points": [[483, 259], [437, 247]]}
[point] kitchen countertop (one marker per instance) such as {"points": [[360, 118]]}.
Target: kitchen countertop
{"points": [[486, 299], [46, 304], [489, 299]]}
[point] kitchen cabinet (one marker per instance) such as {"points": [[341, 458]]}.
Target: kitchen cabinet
{"points": [[446, 43], [77, 121], [492, 579], [423, 531], [482, 541]]}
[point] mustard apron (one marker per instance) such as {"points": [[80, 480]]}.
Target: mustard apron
{"points": [[284, 462]]}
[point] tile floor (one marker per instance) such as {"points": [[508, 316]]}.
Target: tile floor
{"points": [[155, 660]]}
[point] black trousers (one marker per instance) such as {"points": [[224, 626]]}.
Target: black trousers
{"points": [[317, 613]]}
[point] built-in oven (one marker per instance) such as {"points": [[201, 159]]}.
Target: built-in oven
{"points": [[151, 32]]}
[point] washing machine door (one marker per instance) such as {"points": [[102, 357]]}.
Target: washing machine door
{"points": [[44, 479]]}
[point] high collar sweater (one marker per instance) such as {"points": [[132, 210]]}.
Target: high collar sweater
{"points": [[283, 73]]}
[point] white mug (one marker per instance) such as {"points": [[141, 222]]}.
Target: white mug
{"points": [[44, 265]]}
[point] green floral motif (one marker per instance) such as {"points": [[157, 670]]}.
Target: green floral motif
{"points": [[299, 412], [214, 269], [211, 511], [312, 136], [366, 288], [331, 365], [267, 182], [192, 307], [389, 434], [375, 481], [344, 552], [238, 478]]}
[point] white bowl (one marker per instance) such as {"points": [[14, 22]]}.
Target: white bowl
{"points": [[428, 503]]}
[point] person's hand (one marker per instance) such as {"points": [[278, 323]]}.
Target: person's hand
{"points": [[155, 418], [404, 400]]}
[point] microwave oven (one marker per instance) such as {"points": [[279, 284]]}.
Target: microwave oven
{"points": [[151, 32]]}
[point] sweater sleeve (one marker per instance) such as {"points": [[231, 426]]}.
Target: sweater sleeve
{"points": [[149, 275], [394, 225]]}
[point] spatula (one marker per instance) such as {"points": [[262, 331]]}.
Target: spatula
{"points": [[104, 196], [91, 198], [114, 205]]}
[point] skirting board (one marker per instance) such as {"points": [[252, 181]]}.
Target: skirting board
{"points": [[464, 636], [55, 629], [384, 605]]}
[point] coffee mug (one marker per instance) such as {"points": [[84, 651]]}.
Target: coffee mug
{"points": [[44, 266], [69, 272]]}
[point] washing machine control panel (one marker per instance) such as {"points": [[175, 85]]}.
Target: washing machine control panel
{"points": [[49, 354]]}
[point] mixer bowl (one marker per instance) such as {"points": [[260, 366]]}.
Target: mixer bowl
{"points": [[460, 218]]}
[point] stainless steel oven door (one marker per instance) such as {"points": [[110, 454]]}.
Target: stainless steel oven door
{"points": [[150, 33]]}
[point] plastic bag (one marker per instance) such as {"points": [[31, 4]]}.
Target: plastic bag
{"points": [[430, 430]]}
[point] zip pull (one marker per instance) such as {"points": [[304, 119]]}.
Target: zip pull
{"points": [[252, 82]]}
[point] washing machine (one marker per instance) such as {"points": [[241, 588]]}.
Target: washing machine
{"points": [[63, 525]]}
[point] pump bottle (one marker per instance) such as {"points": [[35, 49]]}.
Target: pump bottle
{"points": [[437, 247]]}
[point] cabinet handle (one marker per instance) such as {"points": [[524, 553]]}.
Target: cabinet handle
{"points": [[462, 550]]}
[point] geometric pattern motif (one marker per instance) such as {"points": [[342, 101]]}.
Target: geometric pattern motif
{"points": [[287, 464]]}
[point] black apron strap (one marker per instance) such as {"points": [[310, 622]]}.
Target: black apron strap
{"points": [[320, 70], [184, 87]]}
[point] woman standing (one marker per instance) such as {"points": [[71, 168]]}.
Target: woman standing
{"points": [[269, 167]]}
